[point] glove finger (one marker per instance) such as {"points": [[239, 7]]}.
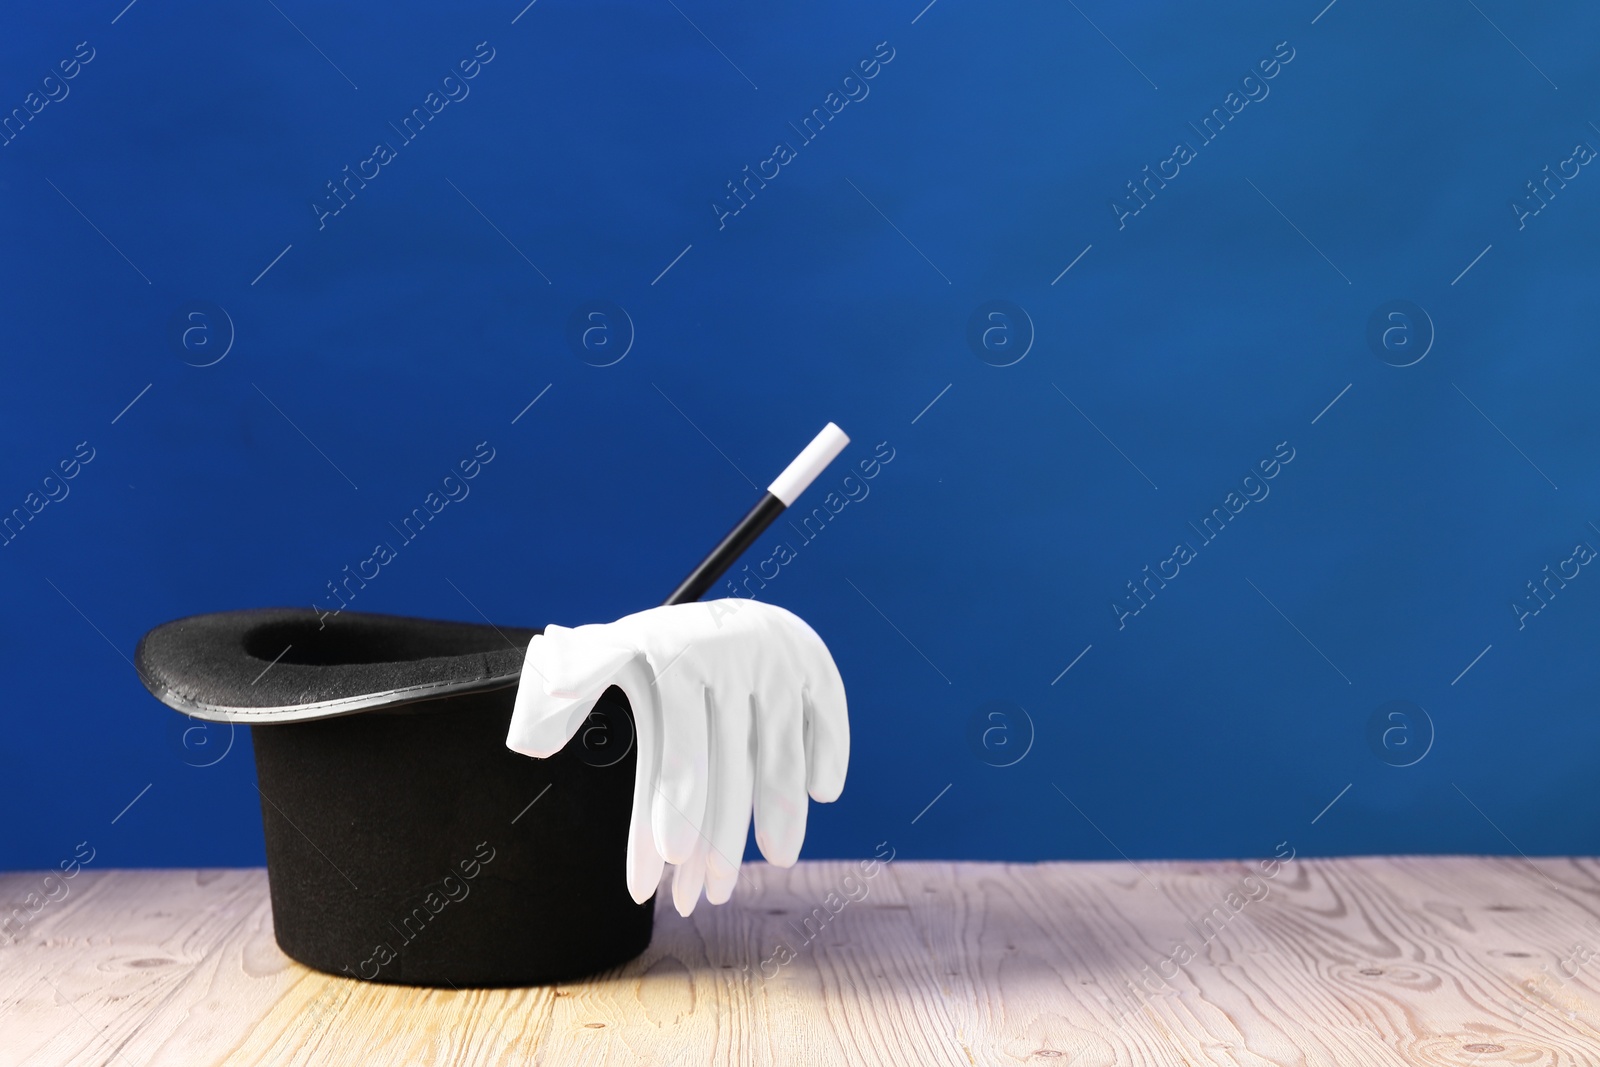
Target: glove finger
{"points": [[780, 784], [827, 721], [681, 782], [733, 768], [541, 725], [721, 877], [644, 864], [688, 879], [563, 673]]}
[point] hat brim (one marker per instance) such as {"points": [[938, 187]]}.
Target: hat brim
{"points": [[276, 665]]}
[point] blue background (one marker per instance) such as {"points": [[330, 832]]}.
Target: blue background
{"points": [[1178, 351]]}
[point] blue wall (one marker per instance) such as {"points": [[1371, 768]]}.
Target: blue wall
{"points": [[1202, 332]]}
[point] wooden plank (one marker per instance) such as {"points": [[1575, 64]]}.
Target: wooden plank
{"points": [[1397, 960]]}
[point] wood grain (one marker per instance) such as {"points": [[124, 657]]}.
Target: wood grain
{"points": [[1397, 960]]}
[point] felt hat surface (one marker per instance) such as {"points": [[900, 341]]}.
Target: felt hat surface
{"points": [[405, 842]]}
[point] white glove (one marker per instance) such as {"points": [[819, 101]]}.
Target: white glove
{"points": [[736, 703]]}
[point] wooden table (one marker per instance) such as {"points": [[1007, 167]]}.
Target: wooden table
{"points": [[1406, 960]]}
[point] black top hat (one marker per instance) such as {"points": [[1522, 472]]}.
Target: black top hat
{"points": [[405, 842]]}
